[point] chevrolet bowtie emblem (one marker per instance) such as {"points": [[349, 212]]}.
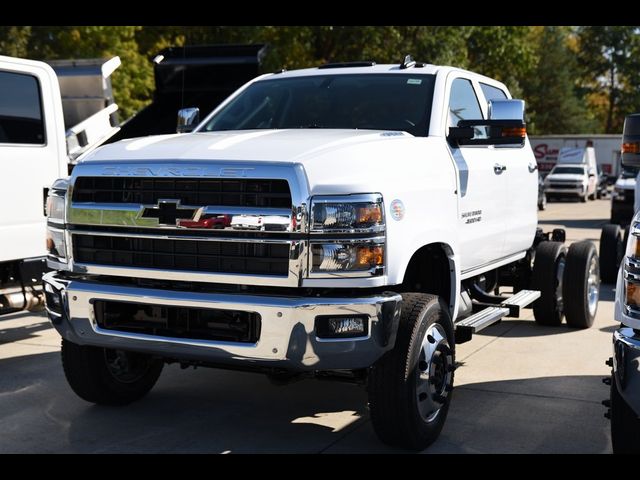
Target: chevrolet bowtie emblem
{"points": [[168, 212]]}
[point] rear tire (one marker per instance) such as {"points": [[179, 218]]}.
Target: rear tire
{"points": [[611, 251], [106, 376], [625, 425], [581, 285], [410, 386], [547, 275]]}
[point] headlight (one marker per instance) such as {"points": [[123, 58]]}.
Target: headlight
{"points": [[55, 206], [56, 243], [632, 272], [367, 256], [347, 214]]}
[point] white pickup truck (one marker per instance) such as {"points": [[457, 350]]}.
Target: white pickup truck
{"points": [[36, 148], [403, 200]]}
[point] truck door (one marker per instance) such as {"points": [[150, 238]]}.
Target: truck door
{"points": [[31, 153], [482, 184], [520, 179]]}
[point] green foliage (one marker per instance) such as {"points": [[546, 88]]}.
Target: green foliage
{"points": [[609, 61], [564, 95], [14, 41], [550, 88]]}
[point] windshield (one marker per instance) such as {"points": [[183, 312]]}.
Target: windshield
{"points": [[629, 172], [573, 170], [369, 101]]}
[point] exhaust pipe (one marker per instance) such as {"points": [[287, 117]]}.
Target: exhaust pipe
{"points": [[12, 300]]}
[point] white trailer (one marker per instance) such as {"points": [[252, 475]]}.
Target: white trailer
{"points": [[607, 149]]}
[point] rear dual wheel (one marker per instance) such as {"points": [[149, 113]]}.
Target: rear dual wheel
{"points": [[569, 284]]}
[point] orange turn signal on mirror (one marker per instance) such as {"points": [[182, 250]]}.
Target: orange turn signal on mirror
{"points": [[632, 147], [371, 256], [514, 132]]}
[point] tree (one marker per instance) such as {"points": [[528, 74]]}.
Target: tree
{"points": [[610, 71], [550, 89], [14, 41]]}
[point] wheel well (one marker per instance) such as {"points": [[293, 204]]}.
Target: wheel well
{"points": [[429, 271]]}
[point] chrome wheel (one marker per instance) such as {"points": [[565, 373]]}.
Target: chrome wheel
{"points": [[434, 373], [593, 285], [559, 276]]}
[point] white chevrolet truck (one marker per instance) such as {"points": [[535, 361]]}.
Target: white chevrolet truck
{"points": [[353, 221], [624, 402]]}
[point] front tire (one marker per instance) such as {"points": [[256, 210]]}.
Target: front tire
{"points": [[106, 376], [547, 275], [611, 252], [581, 285], [410, 386], [625, 425]]}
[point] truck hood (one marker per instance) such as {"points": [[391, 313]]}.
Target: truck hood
{"points": [[335, 161], [298, 145]]}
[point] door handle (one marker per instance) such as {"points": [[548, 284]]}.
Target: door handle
{"points": [[498, 169], [532, 167]]}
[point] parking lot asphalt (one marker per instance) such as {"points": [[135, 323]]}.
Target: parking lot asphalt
{"points": [[520, 388]]}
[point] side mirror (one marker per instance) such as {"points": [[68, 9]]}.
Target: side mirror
{"points": [[505, 126], [631, 141], [188, 119]]}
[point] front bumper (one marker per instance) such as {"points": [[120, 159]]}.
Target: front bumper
{"points": [[577, 191], [287, 340], [626, 366]]}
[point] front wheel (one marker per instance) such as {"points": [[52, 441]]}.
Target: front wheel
{"points": [[410, 386], [611, 252], [625, 425], [106, 376]]}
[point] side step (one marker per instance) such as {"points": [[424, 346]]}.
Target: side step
{"points": [[491, 314]]}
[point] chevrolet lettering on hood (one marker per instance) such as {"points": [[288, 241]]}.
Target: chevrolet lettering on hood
{"points": [[124, 171]]}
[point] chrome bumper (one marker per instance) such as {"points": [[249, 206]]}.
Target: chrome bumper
{"points": [[626, 366], [565, 191], [287, 340]]}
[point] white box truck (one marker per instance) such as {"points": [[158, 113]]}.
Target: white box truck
{"points": [[546, 149], [36, 150]]}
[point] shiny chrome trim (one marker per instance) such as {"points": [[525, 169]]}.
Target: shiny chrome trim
{"points": [[287, 333], [355, 198], [293, 173], [130, 215], [373, 272], [177, 236]]}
